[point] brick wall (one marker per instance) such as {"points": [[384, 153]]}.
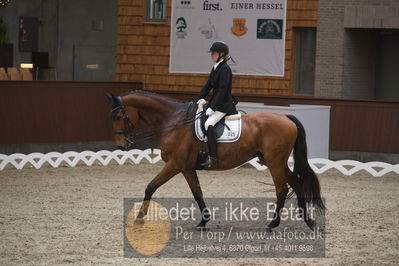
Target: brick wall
{"points": [[143, 52], [329, 51], [344, 57]]}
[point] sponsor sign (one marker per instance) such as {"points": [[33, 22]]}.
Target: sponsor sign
{"points": [[254, 30]]}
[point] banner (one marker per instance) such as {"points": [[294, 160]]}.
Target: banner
{"points": [[254, 30]]}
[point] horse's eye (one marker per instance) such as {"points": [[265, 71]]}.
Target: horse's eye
{"points": [[119, 117]]}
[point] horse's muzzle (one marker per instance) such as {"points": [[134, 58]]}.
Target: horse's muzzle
{"points": [[126, 145]]}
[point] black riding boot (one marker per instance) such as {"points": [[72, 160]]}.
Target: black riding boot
{"points": [[212, 146]]}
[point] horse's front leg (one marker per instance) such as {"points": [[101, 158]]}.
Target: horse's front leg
{"points": [[193, 182], [166, 173], [279, 179]]}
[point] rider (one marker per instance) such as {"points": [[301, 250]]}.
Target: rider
{"points": [[222, 102]]}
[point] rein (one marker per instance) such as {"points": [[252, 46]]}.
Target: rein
{"points": [[144, 135]]}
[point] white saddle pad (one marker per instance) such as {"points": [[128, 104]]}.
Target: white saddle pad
{"points": [[231, 128]]}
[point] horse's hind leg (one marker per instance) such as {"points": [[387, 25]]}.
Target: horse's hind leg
{"points": [[294, 183], [193, 182], [280, 181], [166, 174]]}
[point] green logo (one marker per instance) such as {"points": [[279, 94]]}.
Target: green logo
{"points": [[181, 27], [269, 29]]}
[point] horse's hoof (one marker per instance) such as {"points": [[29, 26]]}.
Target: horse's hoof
{"points": [[200, 228], [274, 224], [310, 223], [269, 229]]}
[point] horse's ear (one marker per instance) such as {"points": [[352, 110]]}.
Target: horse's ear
{"points": [[110, 97]]}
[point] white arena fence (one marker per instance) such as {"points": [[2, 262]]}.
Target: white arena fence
{"points": [[72, 159]]}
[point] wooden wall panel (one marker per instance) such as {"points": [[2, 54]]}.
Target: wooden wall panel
{"points": [[143, 45], [355, 125], [57, 111]]}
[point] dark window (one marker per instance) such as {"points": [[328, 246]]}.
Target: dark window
{"points": [[387, 81], [156, 10], [305, 53]]}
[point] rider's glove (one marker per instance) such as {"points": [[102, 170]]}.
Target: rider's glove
{"points": [[201, 101]]}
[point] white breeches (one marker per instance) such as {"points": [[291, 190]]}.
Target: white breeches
{"points": [[213, 119]]}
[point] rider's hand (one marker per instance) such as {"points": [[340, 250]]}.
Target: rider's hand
{"points": [[201, 101], [209, 111]]}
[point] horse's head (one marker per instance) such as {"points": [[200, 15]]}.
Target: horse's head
{"points": [[124, 119]]}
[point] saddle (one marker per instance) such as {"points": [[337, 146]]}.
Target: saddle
{"points": [[227, 130]]}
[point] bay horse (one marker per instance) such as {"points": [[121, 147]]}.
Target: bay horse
{"points": [[268, 136]]}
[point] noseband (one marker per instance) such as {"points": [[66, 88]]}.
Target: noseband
{"points": [[125, 117]]}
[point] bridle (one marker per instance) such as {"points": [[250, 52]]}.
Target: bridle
{"points": [[127, 124], [130, 137]]}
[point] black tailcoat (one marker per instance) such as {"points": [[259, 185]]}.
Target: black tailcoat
{"points": [[220, 81]]}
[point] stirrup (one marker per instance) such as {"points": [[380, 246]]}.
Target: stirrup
{"points": [[209, 162]]}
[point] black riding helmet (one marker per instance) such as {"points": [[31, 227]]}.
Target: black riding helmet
{"points": [[219, 47]]}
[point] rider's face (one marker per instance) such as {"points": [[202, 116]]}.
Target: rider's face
{"points": [[214, 56]]}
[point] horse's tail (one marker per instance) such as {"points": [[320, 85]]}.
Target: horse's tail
{"points": [[306, 179]]}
